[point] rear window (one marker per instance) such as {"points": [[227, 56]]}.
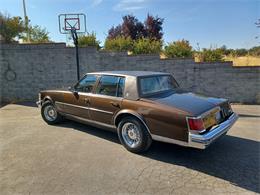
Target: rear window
{"points": [[156, 84]]}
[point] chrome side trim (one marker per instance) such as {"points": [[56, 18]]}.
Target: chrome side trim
{"points": [[77, 106], [98, 110], [100, 95], [89, 121], [169, 140], [87, 108]]}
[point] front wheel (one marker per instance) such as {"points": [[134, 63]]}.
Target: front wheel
{"points": [[50, 114], [133, 135]]}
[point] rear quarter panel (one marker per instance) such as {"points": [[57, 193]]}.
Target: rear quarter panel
{"points": [[161, 120]]}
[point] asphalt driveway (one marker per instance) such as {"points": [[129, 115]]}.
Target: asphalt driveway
{"points": [[72, 158]]}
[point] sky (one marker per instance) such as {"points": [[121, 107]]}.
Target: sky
{"points": [[205, 23]]}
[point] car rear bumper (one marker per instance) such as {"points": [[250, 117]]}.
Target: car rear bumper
{"points": [[204, 140]]}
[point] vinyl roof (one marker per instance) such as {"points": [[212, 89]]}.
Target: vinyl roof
{"points": [[130, 73]]}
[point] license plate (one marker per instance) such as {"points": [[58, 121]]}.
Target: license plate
{"points": [[210, 119]]}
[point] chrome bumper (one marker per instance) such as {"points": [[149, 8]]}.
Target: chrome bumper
{"points": [[204, 140], [39, 104]]}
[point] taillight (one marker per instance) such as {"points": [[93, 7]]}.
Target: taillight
{"points": [[195, 124]]}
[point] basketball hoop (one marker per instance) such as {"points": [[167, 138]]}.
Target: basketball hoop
{"points": [[73, 24], [69, 21]]}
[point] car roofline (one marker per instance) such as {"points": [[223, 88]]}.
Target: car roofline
{"points": [[129, 73]]}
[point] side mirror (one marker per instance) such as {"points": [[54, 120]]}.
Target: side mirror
{"points": [[72, 89]]}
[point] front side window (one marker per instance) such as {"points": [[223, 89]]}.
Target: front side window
{"points": [[86, 84], [157, 84], [111, 86]]}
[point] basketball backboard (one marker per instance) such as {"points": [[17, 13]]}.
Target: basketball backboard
{"points": [[67, 22]]}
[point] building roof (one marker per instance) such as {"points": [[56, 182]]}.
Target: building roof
{"points": [[130, 73]]}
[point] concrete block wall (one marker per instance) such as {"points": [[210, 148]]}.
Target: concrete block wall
{"points": [[49, 66]]}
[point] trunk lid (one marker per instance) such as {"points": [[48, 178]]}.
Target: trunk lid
{"points": [[193, 103]]}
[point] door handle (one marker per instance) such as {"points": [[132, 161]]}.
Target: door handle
{"points": [[115, 104]]}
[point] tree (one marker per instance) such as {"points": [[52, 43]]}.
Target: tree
{"points": [[153, 27], [130, 27], [37, 35], [119, 44], [133, 28], [10, 27], [89, 40], [147, 46], [178, 49], [115, 32]]}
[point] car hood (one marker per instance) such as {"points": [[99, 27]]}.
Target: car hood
{"points": [[195, 104]]}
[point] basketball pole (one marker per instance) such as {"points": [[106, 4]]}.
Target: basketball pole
{"points": [[66, 27], [26, 20], [75, 40]]}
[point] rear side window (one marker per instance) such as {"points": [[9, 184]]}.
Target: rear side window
{"points": [[121, 86], [86, 84], [111, 86]]}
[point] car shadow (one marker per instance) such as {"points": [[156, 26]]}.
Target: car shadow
{"points": [[231, 158], [248, 116], [29, 104]]}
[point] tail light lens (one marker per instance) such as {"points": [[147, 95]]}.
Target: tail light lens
{"points": [[195, 124]]}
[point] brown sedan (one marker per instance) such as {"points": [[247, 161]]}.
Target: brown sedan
{"points": [[141, 106]]}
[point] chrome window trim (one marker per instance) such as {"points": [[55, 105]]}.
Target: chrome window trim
{"points": [[87, 108]]}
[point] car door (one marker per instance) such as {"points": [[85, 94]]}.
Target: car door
{"points": [[106, 100], [76, 101]]}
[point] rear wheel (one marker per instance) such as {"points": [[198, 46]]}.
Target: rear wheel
{"points": [[50, 114], [133, 135]]}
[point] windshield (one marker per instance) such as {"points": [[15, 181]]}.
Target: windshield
{"points": [[156, 84]]}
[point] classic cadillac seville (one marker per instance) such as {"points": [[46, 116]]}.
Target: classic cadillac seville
{"points": [[140, 106]]}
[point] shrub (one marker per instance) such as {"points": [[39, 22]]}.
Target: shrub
{"points": [[37, 34], [255, 51], [147, 46], [119, 44], [178, 49], [211, 55], [88, 40]]}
